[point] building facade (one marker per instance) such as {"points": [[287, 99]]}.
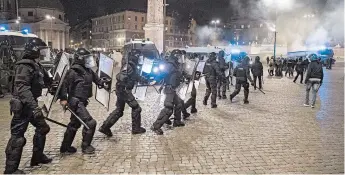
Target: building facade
{"points": [[113, 31], [81, 35], [46, 19], [242, 31]]}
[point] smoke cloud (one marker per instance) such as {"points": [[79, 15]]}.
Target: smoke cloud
{"points": [[299, 23]]}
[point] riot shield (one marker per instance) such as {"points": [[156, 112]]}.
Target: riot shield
{"points": [[59, 76], [189, 68], [139, 91], [105, 70]]}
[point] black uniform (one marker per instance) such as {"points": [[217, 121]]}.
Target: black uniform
{"points": [[212, 72], [289, 69], [222, 80], [242, 74], [127, 78], [257, 71], [172, 102], [29, 80], [78, 86], [299, 69]]}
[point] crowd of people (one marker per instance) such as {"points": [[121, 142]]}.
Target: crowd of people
{"points": [[76, 90]]}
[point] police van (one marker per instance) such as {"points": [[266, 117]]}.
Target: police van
{"points": [[149, 52]]}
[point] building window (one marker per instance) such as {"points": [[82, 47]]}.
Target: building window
{"points": [[60, 17], [136, 18], [30, 13], [242, 26], [248, 26], [142, 19]]}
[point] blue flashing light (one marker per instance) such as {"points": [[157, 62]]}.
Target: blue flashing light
{"points": [[235, 51], [25, 31], [155, 70], [2, 28]]}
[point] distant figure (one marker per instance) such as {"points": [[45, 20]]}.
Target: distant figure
{"points": [[268, 60], [299, 69]]}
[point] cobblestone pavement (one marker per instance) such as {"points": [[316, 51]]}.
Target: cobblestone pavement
{"points": [[273, 134]]}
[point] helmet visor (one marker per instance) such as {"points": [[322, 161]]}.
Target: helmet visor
{"points": [[89, 61]]}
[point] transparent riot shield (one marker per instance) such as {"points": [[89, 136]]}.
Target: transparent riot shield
{"points": [[105, 70], [139, 91], [59, 76]]}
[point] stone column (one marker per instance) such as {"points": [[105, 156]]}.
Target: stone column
{"points": [[154, 28], [58, 40], [41, 34], [46, 36], [63, 40]]}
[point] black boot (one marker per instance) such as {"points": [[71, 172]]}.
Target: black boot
{"points": [[40, 159], [157, 131], [214, 106], [178, 124], [70, 150], [88, 149], [193, 110], [224, 97], [168, 122], [105, 131], [186, 116], [204, 102], [141, 130], [246, 102], [231, 98], [15, 172]]}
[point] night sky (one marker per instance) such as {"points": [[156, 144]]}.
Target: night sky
{"points": [[202, 10]]}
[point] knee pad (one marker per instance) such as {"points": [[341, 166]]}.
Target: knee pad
{"points": [[168, 111], [45, 130], [117, 113], [18, 142], [138, 109], [92, 123]]}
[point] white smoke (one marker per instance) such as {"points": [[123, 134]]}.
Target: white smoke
{"points": [[208, 35]]}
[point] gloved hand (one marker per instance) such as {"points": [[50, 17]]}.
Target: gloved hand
{"points": [[104, 83], [38, 113], [160, 89], [53, 87], [252, 83], [64, 103]]}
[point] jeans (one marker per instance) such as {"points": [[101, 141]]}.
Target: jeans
{"points": [[315, 87]]}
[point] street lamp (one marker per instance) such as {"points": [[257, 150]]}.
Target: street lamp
{"points": [[18, 22], [51, 18]]}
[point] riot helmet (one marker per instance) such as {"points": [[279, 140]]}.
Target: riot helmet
{"points": [[177, 56], [31, 49], [221, 54], [246, 60], [212, 56], [257, 59], [136, 57], [84, 57], [313, 57]]}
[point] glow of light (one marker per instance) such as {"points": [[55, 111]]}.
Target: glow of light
{"points": [[17, 21], [2, 28], [235, 51], [26, 31], [161, 67], [48, 17], [155, 70]]}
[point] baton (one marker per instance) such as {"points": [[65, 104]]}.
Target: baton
{"points": [[76, 116], [262, 91], [56, 122]]}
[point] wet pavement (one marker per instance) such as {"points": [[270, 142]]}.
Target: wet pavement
{"points": [[273, 134]]}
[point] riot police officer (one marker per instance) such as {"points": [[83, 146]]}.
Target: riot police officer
{"points": [[242, 74], [30, 78], [191, 102], [211, 72], [78, 86], [172, 102], [222, 81], [127, 78]]}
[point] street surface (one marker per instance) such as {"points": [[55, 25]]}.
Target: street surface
{"points": [[273, 134]]}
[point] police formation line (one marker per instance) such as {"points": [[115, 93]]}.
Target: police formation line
{"points": [[76, 90]]}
